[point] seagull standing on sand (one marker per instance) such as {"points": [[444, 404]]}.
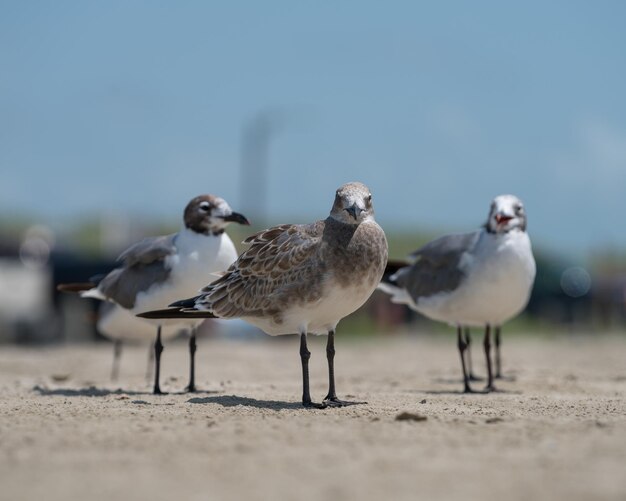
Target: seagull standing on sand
{"points": [[301, 279], [483, 278], [158, 270]]}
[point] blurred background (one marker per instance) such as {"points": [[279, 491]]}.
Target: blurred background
{"points": [[114, 114]]}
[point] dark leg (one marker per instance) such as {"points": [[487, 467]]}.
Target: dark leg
{"points": [[191, 387], [462, 344], [498, 359], [330, 356], [305, 355], [487, 345], [117, 353], [331, 399], [468, 352], [158, 349]]}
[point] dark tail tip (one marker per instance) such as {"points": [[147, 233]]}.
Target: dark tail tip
{"points": [[392, 267], [176, 313], [185, 303], [75, 287]]}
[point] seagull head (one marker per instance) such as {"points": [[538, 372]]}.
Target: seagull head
{"points": [[507, 213], [353, 204], [209, 215]]}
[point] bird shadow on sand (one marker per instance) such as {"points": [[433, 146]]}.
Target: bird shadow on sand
{"points": [[93, 391], [90, 391], [234, 401], [461, 392], [451, 380], [447, 380]]}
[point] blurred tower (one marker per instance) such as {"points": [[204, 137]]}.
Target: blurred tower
{"points": [[255, 143]]}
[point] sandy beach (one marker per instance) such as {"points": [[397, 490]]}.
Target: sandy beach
{"points": [[557, 430]]}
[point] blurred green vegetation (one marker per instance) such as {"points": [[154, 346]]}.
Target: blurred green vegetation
{"points": [[549, 309], [13, 226]]}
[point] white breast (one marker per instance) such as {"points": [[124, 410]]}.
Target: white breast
{"points": [[500, 274], [319, 317], [197, 260]]}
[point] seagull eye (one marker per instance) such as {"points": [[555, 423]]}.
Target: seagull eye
{"points": [[519, 208], [205, 207]]}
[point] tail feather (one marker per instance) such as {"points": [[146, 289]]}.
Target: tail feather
{"points": [[176, 313], [185, 303], [391, 269], [75, 287], [389, 284], [389, 288]]}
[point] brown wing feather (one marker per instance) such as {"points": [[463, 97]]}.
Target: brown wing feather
{"points": [[267, 273]]}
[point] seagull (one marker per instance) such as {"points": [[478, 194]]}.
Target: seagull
{"points": [[121, 326], [157, 270], [301, 279], [483, 278]]}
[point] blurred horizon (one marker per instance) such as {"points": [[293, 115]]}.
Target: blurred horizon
{"points": [[131, 109]]}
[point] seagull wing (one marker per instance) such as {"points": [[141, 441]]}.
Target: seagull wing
{"points": [[282, 265], [148, 251], [143, 265], [437, 268]]}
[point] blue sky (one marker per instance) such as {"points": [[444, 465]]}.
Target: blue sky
{"points": [[137, 106]]}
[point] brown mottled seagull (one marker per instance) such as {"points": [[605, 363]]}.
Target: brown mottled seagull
{"points": [[301, 279]]}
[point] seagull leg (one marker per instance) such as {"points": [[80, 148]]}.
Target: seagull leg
{"points": [[305, 355], [498, 359], [331, 399], [191, 387], [158, 349], [117, 353], [487, 345], [468, 351], [462, 344]]}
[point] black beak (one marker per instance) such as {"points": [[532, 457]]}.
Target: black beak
{"points": [[235, 217]]}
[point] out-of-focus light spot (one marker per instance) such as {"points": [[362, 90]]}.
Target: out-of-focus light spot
{"points": [[36, 246], [575, 281]]}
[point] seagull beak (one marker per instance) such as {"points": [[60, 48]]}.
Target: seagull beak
{"points": [[235, 217], [502, 218], [354, 210]]}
